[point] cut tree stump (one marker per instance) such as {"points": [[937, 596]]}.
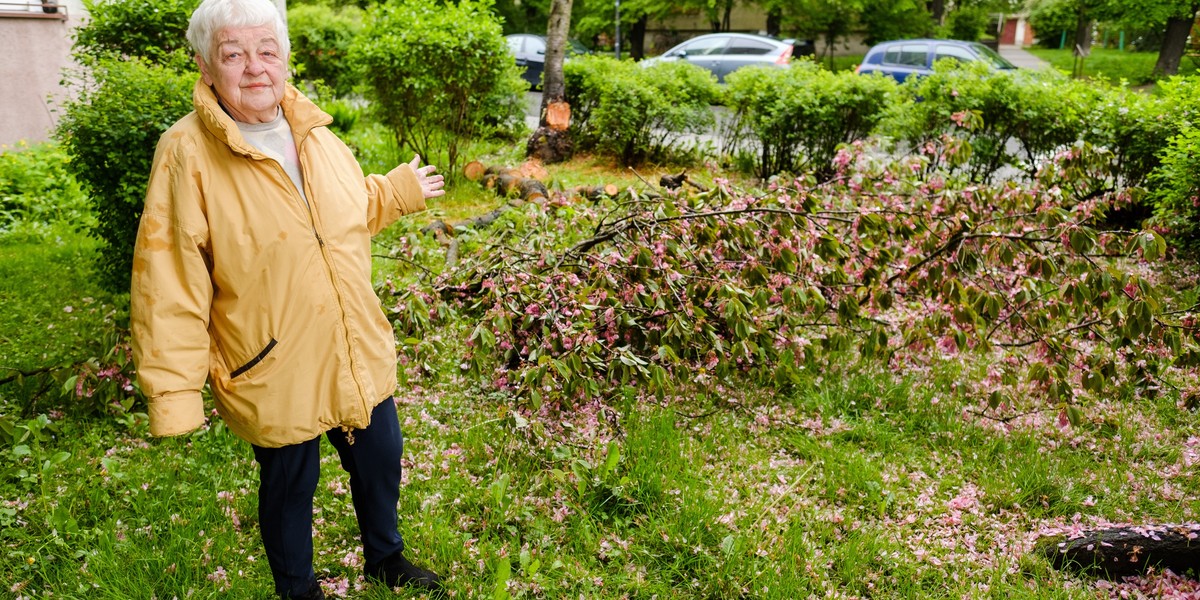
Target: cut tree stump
{"points": [[558, 116], [1130, 550], [550, 145]]}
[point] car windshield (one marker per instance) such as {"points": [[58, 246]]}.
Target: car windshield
{"points": [[992, 57]]}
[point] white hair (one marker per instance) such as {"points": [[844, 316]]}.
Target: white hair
{"points": [[214, 15]]}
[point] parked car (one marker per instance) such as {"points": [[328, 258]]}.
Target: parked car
{"points": [[724, 53], [901, 58], [530, 52]]}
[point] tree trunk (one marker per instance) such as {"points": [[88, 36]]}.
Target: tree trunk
{"points": [[1121, 551], [937, 8], [1175, 43], [774, 21], [637, 38], [551, 141], [726, 21], [1083, 33]]}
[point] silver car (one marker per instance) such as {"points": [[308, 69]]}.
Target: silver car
{"points": [[724, 53]]}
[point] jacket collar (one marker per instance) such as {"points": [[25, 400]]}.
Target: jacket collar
{"points": [[302, 115]]}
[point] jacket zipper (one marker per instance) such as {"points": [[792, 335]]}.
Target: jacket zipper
{"points": [[312, 218]]}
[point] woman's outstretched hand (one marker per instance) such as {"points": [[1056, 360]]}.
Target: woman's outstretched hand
{"points": [[431, 184]]}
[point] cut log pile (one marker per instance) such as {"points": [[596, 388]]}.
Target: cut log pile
{"points": [[520, 185], [1128, 550], [525, 182]]}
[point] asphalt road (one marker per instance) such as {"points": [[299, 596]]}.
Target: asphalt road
{"points": [[533, 104]]}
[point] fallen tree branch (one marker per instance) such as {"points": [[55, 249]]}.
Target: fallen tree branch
{"points": [[1127, 550]]}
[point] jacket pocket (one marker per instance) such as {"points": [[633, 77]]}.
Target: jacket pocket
{"points": [[254, 361]]}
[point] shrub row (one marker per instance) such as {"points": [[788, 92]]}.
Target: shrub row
{"points": [[636, 113], [965, 122], [797, 118]]}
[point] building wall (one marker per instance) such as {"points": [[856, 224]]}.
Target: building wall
{"points": [[1016, 31], [37, 51]]}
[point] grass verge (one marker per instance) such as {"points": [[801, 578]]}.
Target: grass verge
{"points": [[1111, 65]]}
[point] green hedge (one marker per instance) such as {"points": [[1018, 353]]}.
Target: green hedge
{"points": [[637, 113], [963, 120], [1175, 184], [1007, 120], [37, 189], [797, 118]]}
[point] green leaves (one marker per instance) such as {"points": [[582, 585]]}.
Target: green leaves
{"points": [[151, 31], [438, 75], [799, 117], [635, 113], [110, 130], [321, 36]]}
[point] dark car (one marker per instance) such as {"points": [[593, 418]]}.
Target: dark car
{"points": [[530, 51], [724, 53], [901, 58]]}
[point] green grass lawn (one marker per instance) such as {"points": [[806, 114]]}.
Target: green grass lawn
{"points": [[1135, 68], [858, 484]]}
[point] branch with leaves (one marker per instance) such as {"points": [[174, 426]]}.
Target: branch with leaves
{"points": [[876, 266]]}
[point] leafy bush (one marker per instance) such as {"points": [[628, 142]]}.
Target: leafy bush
{"points": [[1135, 127], [1050, 18], [1005, 119], [798, 117], [1174, 183], [637, 113], [438, 75], [155, 31], [321, 37], [110, 130], [344, 111], [967, 23], [37, 187], [1176, 190], [895, 20]]}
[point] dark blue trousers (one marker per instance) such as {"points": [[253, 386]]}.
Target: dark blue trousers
{"points": [[288, 479]]}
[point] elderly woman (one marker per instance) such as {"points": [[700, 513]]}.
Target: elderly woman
{"points": [[252, 271]]}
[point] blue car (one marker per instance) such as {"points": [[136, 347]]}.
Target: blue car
{"points": [[901, 58]]}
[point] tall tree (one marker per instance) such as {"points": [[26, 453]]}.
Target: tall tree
{"points": [[550, 141], [1084, 25], [1179, 27], [1175, 18], [937, 9], [719, 13]]}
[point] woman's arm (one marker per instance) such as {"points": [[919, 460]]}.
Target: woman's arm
{"points": [[402, 191], [170, 298]]}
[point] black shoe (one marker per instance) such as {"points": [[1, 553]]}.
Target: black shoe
{"points": [[314, 593], [395, 571]]}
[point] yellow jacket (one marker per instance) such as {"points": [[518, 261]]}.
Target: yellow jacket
{"points": [[240, 282]]}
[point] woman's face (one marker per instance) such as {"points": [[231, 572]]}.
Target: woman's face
{"points": [[248, 73]]}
